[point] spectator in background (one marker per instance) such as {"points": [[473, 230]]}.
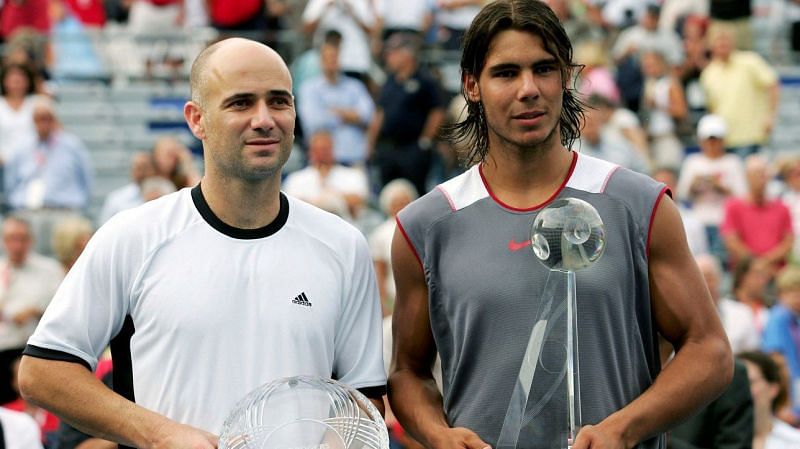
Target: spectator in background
{"points": [[754, 225], [174, 161], [604, 142], [20, 14], [70, 237], [409, 16], [675, 12], [394, 196], [155, 187], [751, 112], [27, 283], [338, 104], [769, 392], [410, 111], [663, 104], [91, 13], [18, 88], [129, 195], [326, 184], [579, 29], [596, 77], [453, 18], [19, 431], [49, 177], [242, 15], [781, 333], [737, 318], [696, 235], [354, 20], [789, 170], [735, 14], [629, 46], [154, 16], [709, 178], [751, 277], [695, 61]]}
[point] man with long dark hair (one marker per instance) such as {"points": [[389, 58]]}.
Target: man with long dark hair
{"points": [[469, 287]]}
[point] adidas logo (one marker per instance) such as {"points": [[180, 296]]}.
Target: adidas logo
{"points": [[302, 300]]}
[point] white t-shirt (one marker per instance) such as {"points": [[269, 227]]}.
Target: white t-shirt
{"points": [[783, 436], [20, 430], [408, 14], [307, 184], [354, 51], [710, 206], [740, 325], [31, 285], [126, 197], [458, 18], [213, 312], [16, 125], [380, 245]]}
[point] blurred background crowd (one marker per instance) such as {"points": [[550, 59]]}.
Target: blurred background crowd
{"points": [[703, 95]]}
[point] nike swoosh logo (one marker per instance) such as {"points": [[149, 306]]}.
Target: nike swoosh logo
{"points": [[516, 246]]}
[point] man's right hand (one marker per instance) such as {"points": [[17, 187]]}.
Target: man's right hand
{"points": [[459, 438], [181, 436]]}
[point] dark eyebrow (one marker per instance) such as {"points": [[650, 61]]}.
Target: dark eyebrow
{"points": [[514, 66], [280, 93], [237, 97], [502, 67]]}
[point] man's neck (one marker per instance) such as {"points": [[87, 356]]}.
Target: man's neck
{"points": [[405, 73], [232, 201], [332, 78], [524, 178]]}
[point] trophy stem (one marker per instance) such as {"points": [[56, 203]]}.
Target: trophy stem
{"points": [[573, 376]]}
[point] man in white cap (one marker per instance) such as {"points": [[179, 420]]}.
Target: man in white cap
{"points": [[710, 177]]}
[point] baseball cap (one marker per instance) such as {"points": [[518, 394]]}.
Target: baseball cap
{"points": [[711, 126]]}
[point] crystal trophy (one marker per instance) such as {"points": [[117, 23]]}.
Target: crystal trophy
{"points": [[304, 412], [545, 407]]}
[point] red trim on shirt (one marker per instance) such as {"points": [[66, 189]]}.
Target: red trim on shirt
{"points": [[538, 206], [447, 197], [653, 217], [410, 245]]}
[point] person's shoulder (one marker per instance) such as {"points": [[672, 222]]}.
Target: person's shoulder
{"points": [[782, 435], [43, 263], [595, 175], [449, 197]]}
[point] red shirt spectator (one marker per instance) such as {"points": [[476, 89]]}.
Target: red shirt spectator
{"points": [[24, 13], [89, 12]]}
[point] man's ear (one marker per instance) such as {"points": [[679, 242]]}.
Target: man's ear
{"points": [[194, 118], [471, 88]]}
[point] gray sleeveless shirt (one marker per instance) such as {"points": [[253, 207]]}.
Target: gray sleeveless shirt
{"points": [[485, 283]]}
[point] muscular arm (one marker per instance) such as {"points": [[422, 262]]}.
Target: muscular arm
{"points": [[73, 393], [684, 313], [413, 394]]}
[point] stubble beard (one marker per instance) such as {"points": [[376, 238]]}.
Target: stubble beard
{"points": [[528, 148]]}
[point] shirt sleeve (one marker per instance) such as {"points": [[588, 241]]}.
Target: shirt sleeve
{"points": [[91, 304], [358, 357]]}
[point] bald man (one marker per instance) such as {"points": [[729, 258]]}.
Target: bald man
{"points": [[212, 291]]}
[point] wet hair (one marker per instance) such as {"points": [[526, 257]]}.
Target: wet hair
{"points": [[472, 134], [26, 70]]}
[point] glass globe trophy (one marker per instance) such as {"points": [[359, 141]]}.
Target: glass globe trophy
{"points": [[566, 236], [304, 412]]}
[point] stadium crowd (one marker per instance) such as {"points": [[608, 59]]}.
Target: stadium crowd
{"points": [[676, 90]]}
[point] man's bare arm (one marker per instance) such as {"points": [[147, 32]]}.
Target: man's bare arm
{"points": [[72, 392], [413, 394], [685, 315]]}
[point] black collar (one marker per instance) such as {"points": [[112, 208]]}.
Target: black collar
{"points": [[244, 234]]}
